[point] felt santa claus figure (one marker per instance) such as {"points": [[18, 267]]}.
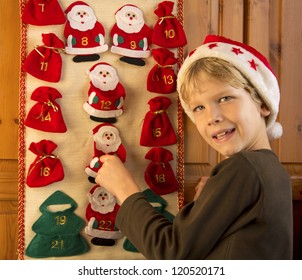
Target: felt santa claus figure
{"points": [[131, 36], [105, 95], [107, 140], [100, 214], [85, 35]]}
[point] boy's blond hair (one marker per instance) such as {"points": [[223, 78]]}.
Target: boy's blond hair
{"points": [[220, 70]]}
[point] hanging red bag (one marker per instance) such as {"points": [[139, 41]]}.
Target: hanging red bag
{"points": [[159, 174], [47, 167], [157, 129], [162, 78], [46, 114], [43, 12], [167, 31], [45, 62]]}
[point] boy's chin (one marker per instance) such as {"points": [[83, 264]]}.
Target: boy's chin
{"points": [[227, 152]]}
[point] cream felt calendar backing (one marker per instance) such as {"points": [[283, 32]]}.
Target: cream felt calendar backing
{"points": [[75, 146]]}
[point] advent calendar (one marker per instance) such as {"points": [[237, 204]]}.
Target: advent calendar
{"points": [[96, 77]]}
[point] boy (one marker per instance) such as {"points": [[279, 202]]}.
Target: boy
{"points": [[244, 209]]}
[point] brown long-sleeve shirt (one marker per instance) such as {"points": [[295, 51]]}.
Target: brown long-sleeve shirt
{"points": [[243, 212]]}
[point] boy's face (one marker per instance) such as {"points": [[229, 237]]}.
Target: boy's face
{"points": [[228, 119]]}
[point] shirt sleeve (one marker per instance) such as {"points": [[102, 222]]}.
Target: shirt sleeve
{"points": [[233, 190]]}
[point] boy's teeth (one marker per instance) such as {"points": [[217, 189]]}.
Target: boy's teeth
{"points": [[221, 134]]}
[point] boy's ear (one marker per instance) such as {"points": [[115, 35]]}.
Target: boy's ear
{"points": [[264, 111]]}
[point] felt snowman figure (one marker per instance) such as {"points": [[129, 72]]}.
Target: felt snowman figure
{"points": [[105, 95], [131, 36], [107, 140], [100, 214], [85, 35]]}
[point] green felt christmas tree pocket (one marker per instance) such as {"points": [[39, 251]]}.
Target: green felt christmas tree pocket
{"points": [[43, 246], [57, 232]]}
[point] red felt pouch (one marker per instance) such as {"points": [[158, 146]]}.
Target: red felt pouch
{"points": [[162, 78], [167, 31], [46, 114], [157, 129], [43, 12], [159, 174], [47, 167], [45, 62]]}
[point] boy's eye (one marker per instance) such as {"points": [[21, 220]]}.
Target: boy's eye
{"points": [[225, 98], [198, 108]]}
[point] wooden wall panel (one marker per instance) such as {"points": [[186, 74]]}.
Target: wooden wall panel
{"points": [[9, 95], [257, 22], [199, 157], [9, 229], [291, 92], [291, 82], [9, 69], [232, 19]]}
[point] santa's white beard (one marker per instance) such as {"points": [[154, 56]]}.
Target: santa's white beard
{"points": [[103, 207], [87, 24], [124, 25], [103, 83]]}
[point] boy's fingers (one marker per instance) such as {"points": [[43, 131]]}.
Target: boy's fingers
{"points": [[105, 157]]}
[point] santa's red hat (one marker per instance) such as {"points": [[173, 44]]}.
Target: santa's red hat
{"points": [[252, 64], [93, 189], [78, 4]]}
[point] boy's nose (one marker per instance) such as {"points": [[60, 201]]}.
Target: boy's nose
{"points": [[214, 115]]}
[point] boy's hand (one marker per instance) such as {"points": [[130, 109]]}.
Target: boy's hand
{"points": [[115, 177], [200, 186]]}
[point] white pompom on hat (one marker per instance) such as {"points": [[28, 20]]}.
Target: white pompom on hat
{"points": [[252, 64]]}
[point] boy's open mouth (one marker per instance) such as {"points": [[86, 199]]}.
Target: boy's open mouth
{"points": [[223, 134]]}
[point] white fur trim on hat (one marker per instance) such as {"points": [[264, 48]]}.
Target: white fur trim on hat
{"points": [[250, 63]]}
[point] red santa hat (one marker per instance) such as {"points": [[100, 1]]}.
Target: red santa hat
{"points": [[78, 5], [252, 64], [92, 190]]}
